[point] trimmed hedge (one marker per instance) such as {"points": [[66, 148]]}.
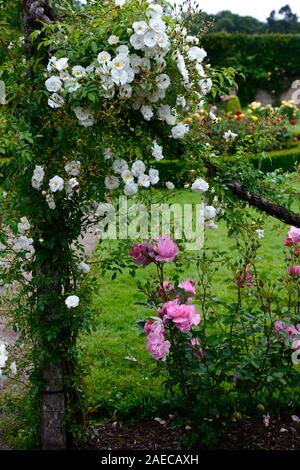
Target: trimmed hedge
{"points": [[269, 61], [179, 172]]}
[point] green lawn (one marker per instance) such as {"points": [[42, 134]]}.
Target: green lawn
{"points": [[114, 384]]}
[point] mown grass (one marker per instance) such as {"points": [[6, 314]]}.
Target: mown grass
{"points": [[115, 386]]}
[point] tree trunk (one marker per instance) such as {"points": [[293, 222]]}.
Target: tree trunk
{"points": [[53, 409]]}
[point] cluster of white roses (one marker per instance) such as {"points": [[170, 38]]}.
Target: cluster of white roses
{"points": [[23, 242], [141, 61], [132, 178], [200, 186], [57, 184]]}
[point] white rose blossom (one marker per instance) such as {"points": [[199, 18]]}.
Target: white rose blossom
{"points": [[56, 184], [72, 301], [170, 185], [73, 168], [200, 186]]}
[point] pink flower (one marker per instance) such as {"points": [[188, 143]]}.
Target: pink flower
{"points": [[294, 271], [157, 346], [196, 346], [164, 309], [148, 327], [164, 289], [245, 279], [183, 316], [294, 235], [165, 249], [288, 241], [290, 329], [188, 286], [142, 253]]}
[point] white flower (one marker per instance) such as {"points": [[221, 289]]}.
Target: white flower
{"points": [[154, 11], [120, 3], [50, 201], [230, 136], [213, 117], [84, 267], [140, 27], [71, 184], [260, 234], [61, 64], [182, 67], [192, 40], [296, 357], [138, 168], [137, 41], [53, 84], [135, 61], [164, 113], [179, 131], [56, 101], [211, 225], [3, 355], [209, 212], [181, 101], [64, 75], [85, 116], [103, 57], [200, 186], [119, 166], [38, 176], [144, 181], [13, 368], [197, 53], [157, 25], [157, 151], [56, 184], [113, 40], [147, 112], [72, 301], [125, 91], [108, 153], [162, 41], [73, 168], [71, 85], [78, 71], [163, 81], [153, 176], [111, 182], [150, 39], [127, 176], [23, 225], [79, 3], [205, 85], [24, 243], [130, 189], [123, 50], [170, 185]]}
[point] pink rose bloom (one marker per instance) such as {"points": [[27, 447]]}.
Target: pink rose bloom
{"points": [[196, 346], [148, 327], [294, 235], [296, 344], [183, 316], [164, 289], [188, 286], [165, 249], [291, 330], [157, 346], [294, 271], [142, 253], [164, 309], [245, 279], [288, 242]]}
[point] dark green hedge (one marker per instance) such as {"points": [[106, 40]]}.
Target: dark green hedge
{"points": [[179, 172], [268, 61]]}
